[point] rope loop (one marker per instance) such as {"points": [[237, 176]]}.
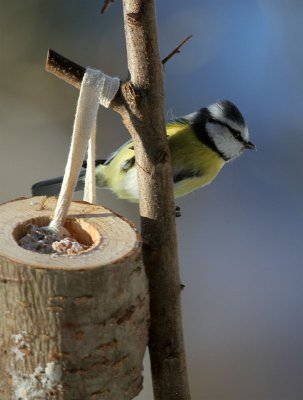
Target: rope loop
{"points": [[96, 88]]}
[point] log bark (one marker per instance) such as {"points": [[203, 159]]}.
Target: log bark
{"points": [[72, 327]]}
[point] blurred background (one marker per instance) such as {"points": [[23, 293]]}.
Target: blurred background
{"points": [[240, 238]]}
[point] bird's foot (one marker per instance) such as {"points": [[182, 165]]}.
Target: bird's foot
{"points": [[177, 212]]}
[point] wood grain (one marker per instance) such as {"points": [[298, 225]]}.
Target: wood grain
{"points": [[72, 327]]}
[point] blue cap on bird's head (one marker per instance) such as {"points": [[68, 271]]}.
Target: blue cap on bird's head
{"points": [[229, 111], [227, 129]]}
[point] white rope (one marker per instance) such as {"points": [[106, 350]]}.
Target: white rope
{"points": [[90, 181], [96, 87]]}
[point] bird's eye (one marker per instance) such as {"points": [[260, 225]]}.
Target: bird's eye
{"points": [[237, 135]]}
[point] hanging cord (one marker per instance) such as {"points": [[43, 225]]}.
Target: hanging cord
{"points": [[90, 180], [96, 87]]}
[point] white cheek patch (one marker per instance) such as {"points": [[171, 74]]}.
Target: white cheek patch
{"points": [[245, 134], [217, 113], [224, 140]]}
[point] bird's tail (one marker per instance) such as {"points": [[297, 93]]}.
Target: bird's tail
{"points": [[51, 187]]}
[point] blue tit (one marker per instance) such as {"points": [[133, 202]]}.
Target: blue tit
{"points": [[200, 143]]}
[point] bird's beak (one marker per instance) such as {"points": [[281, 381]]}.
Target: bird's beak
{"points": [[250, 145]]}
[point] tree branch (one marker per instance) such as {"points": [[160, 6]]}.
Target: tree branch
{"points": [[158, 228], [73, 73], [140, 103], [105, 6], [64, 68], [176, 49]]}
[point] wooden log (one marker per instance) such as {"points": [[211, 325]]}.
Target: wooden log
{"points": [[72, 326]]}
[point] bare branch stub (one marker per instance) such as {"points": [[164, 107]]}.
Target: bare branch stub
{"points": [[176, 50], [106, 5], [73, 73], [64, 68]]}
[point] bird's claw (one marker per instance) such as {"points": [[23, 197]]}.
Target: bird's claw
{"points": [[177, 211]]}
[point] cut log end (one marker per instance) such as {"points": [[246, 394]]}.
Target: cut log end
{"points": [[74, 326], [108, 236]]}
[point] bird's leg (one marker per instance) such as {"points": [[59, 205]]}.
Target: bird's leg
{"points": [[177, 212]]}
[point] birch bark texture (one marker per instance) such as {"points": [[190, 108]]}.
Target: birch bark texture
{"points": [[72, 327]]}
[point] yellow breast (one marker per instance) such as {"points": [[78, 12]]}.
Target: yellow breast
{"points": [[188, 152]]}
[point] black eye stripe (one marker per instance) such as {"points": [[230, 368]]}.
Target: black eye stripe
{"points": [[236, 134]]}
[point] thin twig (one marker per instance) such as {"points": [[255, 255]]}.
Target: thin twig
{"points": [[106, 5], [176, 50]]}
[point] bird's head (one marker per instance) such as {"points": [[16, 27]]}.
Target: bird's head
{"points": [[222, 127], [227, 128]]}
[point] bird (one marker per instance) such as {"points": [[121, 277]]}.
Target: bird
{"points": [[200, 143]]}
